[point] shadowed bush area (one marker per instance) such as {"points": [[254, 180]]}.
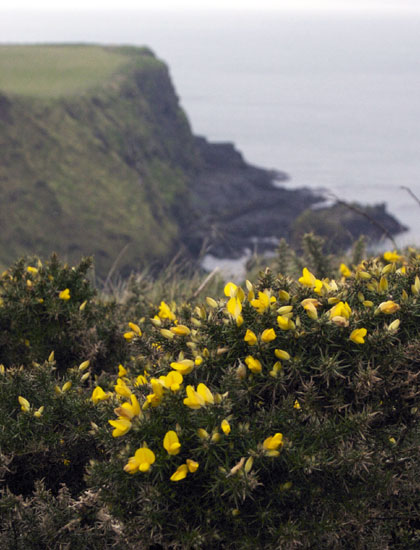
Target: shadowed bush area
{"points": [[281, 413]]}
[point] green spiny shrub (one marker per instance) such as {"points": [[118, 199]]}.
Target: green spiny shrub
{"points": [[50, 306], [294, 422], [282, 415]]}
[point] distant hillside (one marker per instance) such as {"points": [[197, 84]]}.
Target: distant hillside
{"points": [[98, 158], [94, 153]]}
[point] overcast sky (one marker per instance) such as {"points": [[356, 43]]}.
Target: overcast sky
{"points": [[381, 5]]}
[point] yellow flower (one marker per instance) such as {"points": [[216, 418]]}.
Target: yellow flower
{"points": [[284, 295], [248, 464], [225, 427], [415, 288], [281, 354], [129, 410], [185, 366], [64, 294], [296, 405], [165, 312], [153, 399], [83, 366], [319, 286], [82, 305], [171, 443], [85, 376], [393, 327], [234, 307], [383, 284], [307, 279], [32, 270], [122, 371], [284, 322], [276, 369], [121, 426], [135, 328], [360, 274], [358, 335], [203, 390], [167, 333], [180, 473], [272, 444], [268, 335], [129, 335], [342, 309], [172, 380], [141, 461], [63, 389], [263, 302], [202, 433], [24, 404], [38, 412], [250, 338], [192, 465], [98, 394], [180, 330], [232, 291], [121, 388], [211, 302], [253, 364], [286, 310], [392, 256], [141, 380], [199, 398], [340, 321], [310, 309], [388, 307], [345, 271]]}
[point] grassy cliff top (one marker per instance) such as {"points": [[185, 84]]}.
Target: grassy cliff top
{"points": [[49, 71], [94, 147]]}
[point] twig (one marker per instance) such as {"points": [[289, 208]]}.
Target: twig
{"points": [[411, 193], [114, 265], [206, 281]]}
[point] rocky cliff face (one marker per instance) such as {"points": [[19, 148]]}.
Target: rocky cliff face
{"points": [[115, 172]]}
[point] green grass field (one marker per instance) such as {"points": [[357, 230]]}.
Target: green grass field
{"points": [[55, 71]]}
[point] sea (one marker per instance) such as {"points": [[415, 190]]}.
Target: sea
{"points": [[330, 98]]}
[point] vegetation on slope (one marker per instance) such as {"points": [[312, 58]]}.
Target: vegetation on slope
{"points": [[97, 165]]}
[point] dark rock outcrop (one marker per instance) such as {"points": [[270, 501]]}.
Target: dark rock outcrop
{"points": [[239, 207]]}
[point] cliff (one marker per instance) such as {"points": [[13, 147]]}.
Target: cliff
{"points": [[98, 158]]}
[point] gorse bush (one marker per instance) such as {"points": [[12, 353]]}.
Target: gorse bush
{"points": [[51, 306], [284, 414]]}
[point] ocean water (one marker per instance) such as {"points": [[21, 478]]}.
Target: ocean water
{"points": [[333, 99]]}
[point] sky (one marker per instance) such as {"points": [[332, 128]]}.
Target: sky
{"points": [[336, 5]]}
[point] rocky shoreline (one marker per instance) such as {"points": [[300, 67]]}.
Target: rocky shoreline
{"points": [[241, 207]]}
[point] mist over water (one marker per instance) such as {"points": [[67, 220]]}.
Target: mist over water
{"points": [[331, 99]]}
